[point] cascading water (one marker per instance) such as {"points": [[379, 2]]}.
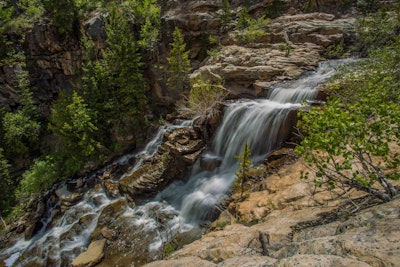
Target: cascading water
{"points": [[262, 123]]}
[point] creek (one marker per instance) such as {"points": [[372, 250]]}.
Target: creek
{"points": [[186, 204]]}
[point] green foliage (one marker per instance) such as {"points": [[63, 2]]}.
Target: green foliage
{"points": [[114, 86], [64, 14], [222, 224], [274, 8], [335, 50], [250, 29], [244, 161], [179, 63], [41, 176], [353, 141], [168, 250], [21, 129], [21, 134], [6, 13], [32, 9], [244, 19], [226, 15], [378, 30], [204, 95], [368, 5], [71, 122], [6, 185], [147, 18], [88, 5]]}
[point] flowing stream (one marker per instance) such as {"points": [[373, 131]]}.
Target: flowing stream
{"points": [[264, 123]]}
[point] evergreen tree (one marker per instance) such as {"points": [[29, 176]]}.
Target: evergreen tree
{"points": [[64, 14], [226, 16], [147, 18], [244, 161], [71, 122], [244, 19], [21, 129], [114, 86], [6, 185], [179, 63]]}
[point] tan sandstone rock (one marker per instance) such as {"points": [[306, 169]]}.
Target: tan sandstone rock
{"points": [[92, 256]]}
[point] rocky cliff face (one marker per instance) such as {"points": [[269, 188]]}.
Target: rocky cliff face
{"points": [[53, 60]]}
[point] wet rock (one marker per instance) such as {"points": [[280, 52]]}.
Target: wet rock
{"points": [[87, 220], [92, 256], [209, 162], [131, 245], [279, 157], [207, 124], [188, 261], [109, 216], [153, 176], [108, 233], [40, 209], [180, 150], [31, 229], [67, 197], [111, 188]]}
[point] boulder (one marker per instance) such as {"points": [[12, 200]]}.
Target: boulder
{"points": [[180, 150], [92, 256], [67, 197], [112, 188], [210, 162]]}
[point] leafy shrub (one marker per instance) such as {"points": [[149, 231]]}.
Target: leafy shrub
{"points": [[41, 176], [204, 95], [378, 30], [250, 29], [354, 140]]}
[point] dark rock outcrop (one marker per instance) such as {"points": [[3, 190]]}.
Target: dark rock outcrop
{"points": [[53, 60], [180, 150]]}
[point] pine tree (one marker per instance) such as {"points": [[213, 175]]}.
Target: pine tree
{"points": [[226, 16], [21, 129], [64, 14], [6, 185], [179, 63], [72, 123], [122, 63], [244, 161], [114, 86]]}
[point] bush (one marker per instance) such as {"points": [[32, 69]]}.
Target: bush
{"points": [[250, 29], [378, 30], [354, 140], [204, 95], [40, 177]]}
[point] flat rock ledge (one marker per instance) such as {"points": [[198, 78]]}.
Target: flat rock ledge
{"points": [[92, 256]]}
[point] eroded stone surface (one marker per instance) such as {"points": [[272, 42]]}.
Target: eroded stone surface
{"points": [[92, 256]]}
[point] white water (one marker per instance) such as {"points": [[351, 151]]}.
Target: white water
{"points": [[261, 123]]}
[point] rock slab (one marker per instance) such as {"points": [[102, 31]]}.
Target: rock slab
{"points": [[92, 256]]}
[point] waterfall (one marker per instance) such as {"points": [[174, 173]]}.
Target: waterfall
{"points": [[263, 123]]}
